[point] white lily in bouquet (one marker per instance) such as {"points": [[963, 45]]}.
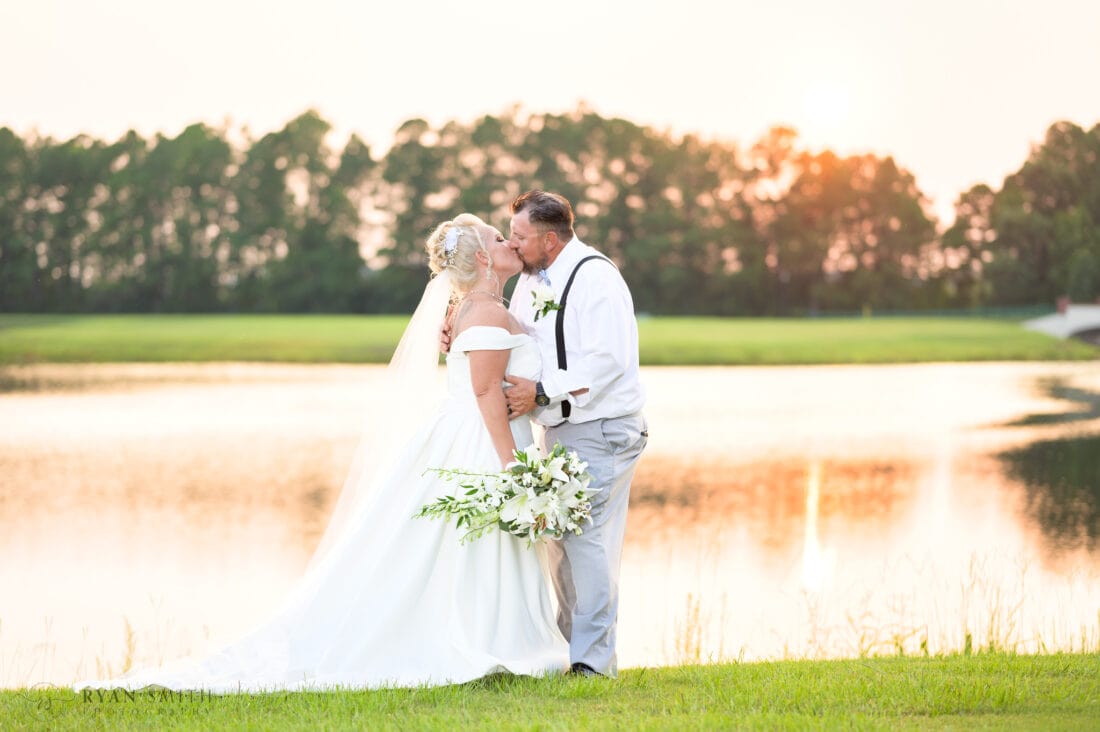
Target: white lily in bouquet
{"points": [[536, 497]]}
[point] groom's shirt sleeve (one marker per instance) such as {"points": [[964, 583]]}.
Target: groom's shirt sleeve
{"points": [[601, 336]]}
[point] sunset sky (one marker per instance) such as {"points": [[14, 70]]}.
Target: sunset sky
{"points": [[955, 90]]}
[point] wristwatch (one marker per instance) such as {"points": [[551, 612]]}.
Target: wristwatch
{"points": [[540, 395]]}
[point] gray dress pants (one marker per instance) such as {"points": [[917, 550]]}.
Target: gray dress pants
{"points": [[585, 568]]}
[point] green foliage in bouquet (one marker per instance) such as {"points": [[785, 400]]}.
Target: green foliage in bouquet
{"points": [[536, 497]]}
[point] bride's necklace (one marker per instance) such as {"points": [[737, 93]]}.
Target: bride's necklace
{"points": [[499, 298]]}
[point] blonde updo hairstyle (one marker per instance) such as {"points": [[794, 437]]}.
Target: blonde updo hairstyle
{"points": [[462, 262]]}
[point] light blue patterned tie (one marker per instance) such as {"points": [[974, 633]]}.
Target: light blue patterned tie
{"points": [[544, 278]]}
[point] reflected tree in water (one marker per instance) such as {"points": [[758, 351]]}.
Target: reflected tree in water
{"points": [[1062, 483], [1062, 476], [1087, 405]]}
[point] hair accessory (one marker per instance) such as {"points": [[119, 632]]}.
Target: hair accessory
{"points": [[450, 244]]}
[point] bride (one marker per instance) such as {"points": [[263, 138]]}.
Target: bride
{"points": [[391, 600]]}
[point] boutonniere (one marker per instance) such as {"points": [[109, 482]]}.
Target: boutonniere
{"points": [[544, 300]]}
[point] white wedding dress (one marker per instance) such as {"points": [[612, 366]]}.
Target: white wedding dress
{"points": [[398, 601]]}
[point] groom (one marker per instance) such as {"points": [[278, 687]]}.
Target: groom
{"points": [[589, 399]]}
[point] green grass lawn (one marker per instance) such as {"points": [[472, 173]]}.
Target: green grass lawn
{"points": [[664, 340], [984, 691]]}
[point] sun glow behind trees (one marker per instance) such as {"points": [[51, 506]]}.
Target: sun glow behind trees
{"points": [[827, 116], [956, 90]]}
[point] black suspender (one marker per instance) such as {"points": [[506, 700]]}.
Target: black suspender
{"points": [[559, 326]]}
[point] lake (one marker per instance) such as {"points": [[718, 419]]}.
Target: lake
{"points": [[150, 511]]}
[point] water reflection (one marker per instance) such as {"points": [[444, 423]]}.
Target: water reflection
{"points": [[152, 511], [1061, 477], [771, 498], [1062, 480], [1086, 404]]}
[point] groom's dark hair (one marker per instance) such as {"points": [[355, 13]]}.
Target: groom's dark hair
{"points": [[548, 212]]}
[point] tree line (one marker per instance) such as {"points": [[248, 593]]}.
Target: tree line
{"points": [[289, 223]]}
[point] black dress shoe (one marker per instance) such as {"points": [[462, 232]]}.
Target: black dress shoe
{"points": [[583, 669]]}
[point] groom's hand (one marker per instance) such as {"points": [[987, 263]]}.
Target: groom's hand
{"points": [[520, 395]]}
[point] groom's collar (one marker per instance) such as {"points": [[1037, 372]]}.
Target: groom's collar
{"points": [[567, 259]]}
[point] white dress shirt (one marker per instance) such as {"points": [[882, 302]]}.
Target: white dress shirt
{"points": [[601, 339]]}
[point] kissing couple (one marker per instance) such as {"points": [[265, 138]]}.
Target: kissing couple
{"points": [[392, 600]]}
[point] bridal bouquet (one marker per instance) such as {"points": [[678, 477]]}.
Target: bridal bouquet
{"points": [[537, 497]]}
